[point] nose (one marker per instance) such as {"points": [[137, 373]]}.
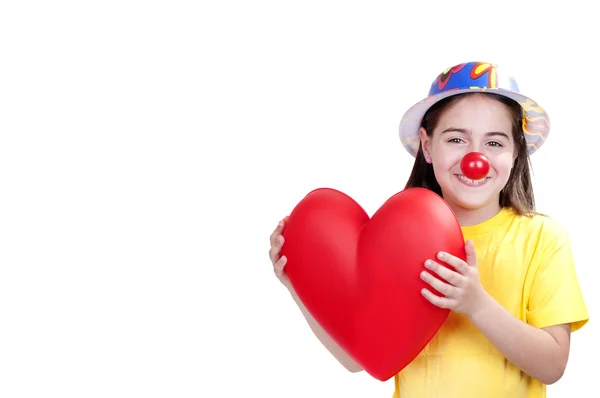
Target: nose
{"points": [[475, 165]]}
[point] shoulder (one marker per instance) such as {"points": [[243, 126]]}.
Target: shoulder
{"points": [[543, 228]]}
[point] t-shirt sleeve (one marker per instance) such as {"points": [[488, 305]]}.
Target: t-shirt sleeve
{"points": [[556, 296]]}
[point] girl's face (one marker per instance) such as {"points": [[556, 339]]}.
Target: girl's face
{"points": [[473, 124]]}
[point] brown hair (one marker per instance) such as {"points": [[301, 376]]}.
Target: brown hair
{"points": [[518, 192]]}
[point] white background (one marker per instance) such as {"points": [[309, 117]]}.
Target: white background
{"points": [[148, 150]]}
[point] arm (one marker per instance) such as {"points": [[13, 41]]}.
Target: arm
{"points": [[541, 353], [279, 263], [325, 339], [555, 299]]}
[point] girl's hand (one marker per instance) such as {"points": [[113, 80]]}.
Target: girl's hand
{"points": [[277, 260], [461, 289]]}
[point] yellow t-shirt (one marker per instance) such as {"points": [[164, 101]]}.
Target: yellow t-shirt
{"points": [[526, 265]]}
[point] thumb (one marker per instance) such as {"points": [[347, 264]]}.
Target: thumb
{"points": [[470, 251]]}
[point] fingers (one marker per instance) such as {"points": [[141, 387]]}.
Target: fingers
{"points": [[276, 249], [470, 251], [442, 287], [277, 231], [436, 300], [277, 240], [455, 262], [279, 266], [448, 275]]}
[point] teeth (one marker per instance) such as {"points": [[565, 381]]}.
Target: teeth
{"points": [[473, 182]]}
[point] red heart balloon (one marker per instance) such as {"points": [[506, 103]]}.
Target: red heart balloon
{"points": [[360, 277]]}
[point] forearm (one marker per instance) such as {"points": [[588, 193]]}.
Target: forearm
{"points": [[325, 339], [533, 350]]}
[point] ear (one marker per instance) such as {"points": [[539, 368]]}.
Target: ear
{"points": [[425, 142]]}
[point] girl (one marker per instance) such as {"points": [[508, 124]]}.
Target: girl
{"points": [[516, 299]]}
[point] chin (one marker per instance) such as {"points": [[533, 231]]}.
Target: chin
{"points": [[472, 205], [471, 200]]}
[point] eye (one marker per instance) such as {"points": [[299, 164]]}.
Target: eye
{"points": [[495, 143], [455, 140]]}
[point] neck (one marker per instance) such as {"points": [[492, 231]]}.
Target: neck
{"points": [[467, 217]]}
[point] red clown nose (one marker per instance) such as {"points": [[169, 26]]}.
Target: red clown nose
{"points": [[475, 165]]}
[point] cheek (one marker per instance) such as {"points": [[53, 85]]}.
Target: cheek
{"points": [[448, 163], [444, 156], [502, 164]]}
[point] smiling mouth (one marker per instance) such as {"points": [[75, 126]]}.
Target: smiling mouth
{"points": [[471, 183]]}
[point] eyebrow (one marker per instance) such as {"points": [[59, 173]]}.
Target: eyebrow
{"points": [[465, 131]]}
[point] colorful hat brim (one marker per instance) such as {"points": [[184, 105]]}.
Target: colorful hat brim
{"points": [[536, 123]]}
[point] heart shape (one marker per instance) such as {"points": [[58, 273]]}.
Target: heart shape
{"points": [[360, 277]]}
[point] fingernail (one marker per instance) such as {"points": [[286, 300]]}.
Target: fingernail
{"points": [[428, 263], [423, 275], [440, 254]]}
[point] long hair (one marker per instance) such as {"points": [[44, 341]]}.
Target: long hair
{"points": [[518, 192]]}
